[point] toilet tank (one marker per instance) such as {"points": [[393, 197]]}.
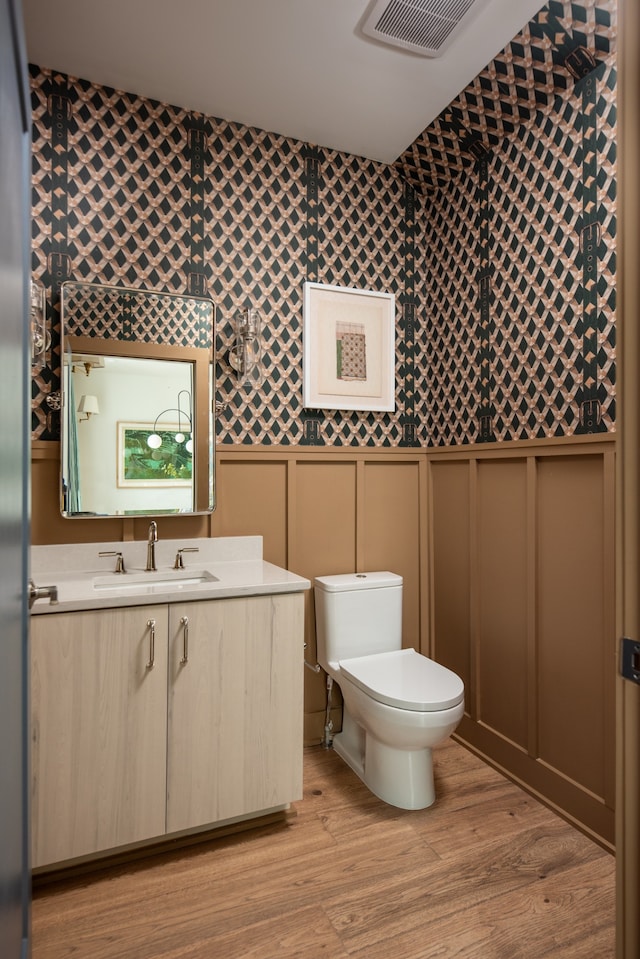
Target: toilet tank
{"points": [[357, 614]]}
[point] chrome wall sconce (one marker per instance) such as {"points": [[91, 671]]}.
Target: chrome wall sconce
{"points": [[245, 356], [38, 333], [155, 440], [88, 406]]}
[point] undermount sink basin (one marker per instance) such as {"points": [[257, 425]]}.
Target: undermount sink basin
{"points": [[175, 579]]}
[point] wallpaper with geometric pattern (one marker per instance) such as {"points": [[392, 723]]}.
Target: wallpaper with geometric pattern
{"points": [[539, 233], [498, 242], [561, 44]]}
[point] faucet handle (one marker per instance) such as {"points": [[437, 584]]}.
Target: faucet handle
{"points": [[179, 563], [119, 560]]}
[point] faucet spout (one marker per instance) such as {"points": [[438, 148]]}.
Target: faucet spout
{"points": [[151, 547]]}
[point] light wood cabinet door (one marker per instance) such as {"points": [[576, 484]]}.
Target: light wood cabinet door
{"points": [[235, 708], [98, 734]]}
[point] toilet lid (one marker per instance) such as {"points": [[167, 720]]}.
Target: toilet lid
{"points": [[405, 679]]}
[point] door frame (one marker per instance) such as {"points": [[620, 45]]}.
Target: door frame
{"points": [[628, 507], [15, 417]]}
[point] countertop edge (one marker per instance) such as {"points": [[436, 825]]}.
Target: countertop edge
{"points": [[161, 598]]}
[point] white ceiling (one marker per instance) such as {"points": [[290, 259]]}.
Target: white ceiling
{"points": [[301, 68]]}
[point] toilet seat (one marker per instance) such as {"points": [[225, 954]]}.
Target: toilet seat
{"points": [[405, 679]]}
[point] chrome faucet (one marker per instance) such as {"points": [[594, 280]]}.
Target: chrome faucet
{"points": [[151, 547]]}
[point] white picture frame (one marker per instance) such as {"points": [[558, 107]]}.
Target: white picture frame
{"points": [[348, 348]]}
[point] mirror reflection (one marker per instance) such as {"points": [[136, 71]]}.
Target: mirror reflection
{"points": [[137, 423]]}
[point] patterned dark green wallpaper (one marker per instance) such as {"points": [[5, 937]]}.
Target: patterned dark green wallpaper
{"points": [[520, 271], [503, 265], [563, 43], [258, 217]]}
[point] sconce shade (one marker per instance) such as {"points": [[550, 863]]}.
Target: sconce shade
{"points": [[88, 404]]}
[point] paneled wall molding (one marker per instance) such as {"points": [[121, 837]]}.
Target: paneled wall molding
{"points": [[551, 446], [507, 555], [522, 606]]}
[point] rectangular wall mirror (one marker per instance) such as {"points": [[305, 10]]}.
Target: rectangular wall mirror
{"points": [[138, 429]]}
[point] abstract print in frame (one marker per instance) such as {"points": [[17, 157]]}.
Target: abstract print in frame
{"points": [[348, 348]]}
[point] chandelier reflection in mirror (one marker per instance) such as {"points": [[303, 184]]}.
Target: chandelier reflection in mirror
{"points": [[172, 447]]}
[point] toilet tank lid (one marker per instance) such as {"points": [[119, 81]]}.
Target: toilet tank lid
{"points": [[348, 581]]}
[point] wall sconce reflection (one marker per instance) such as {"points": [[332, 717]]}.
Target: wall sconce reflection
{"points": [[86, 363], [245, 356], [39, 335], [88, 406]]}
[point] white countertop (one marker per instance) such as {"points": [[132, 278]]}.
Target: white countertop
{"points": [[85, 580]]}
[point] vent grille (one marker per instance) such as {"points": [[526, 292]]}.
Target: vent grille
{"points": [[422, 26]]}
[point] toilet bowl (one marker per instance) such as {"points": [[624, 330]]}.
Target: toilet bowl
{"points": [[397, 704]]}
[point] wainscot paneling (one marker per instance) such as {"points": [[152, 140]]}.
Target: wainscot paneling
{"points": [[507, 554], [522, 557], [319, 512], [347, 510]]}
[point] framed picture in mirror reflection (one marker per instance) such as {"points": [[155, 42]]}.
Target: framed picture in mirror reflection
{"points": [[151, 455]]}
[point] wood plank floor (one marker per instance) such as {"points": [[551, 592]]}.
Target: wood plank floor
{"points": [[485, 873]]}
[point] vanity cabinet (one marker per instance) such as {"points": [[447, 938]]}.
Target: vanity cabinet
{"points": [[98, 730], [235, 708], [124, 751]]}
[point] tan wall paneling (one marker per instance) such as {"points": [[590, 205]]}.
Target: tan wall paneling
{"points": [[325, 517], [253, 502], [391, 533], [522, 553], [323, 542], [508, 580], [501, 632], [450, 588], [318, 513], [573, 678], [333, 511]]}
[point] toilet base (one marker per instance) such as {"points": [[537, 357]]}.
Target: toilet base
{"points": [[400, 777]]}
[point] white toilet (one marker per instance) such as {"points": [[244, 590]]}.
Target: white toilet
{"points": [[397, 703]]}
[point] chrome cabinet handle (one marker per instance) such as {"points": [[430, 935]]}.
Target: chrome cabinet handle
{"points": [[151, 623], [184, 622]]}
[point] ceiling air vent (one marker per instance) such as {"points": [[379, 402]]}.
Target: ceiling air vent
{"points": [[421, 26]]}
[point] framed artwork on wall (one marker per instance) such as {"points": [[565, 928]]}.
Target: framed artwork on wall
{"points": [[166, 461], [348, 348]]}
